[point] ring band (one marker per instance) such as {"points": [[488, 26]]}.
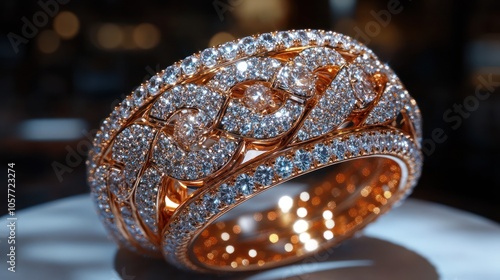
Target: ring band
{"points": [[257, 152]]}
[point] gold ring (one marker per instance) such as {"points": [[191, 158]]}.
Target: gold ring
{"points": [[256, 153]]}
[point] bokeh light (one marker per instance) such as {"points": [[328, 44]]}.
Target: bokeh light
{"points": [[110, 36], [48, 41], [66, 24], [146, 35]]}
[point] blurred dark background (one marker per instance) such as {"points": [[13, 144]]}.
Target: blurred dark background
{"points": [[64, 64]]}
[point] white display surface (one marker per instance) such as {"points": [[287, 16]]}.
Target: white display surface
{"points": [[419, 240]]}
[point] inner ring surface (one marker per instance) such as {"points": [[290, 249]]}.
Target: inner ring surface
{"points": [[298, 217]]}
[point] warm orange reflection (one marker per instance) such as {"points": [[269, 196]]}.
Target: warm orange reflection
{"points": [[331, 204]]}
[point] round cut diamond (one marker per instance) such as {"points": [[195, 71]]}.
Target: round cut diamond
{"points": [[190, 65], [209, 57], [317, 37], [303, 37], [366, 143], [298, 79], [171, 74], [286, 38], [190, 128], [247, 44], [267, 41], [283, 167], [354, 145], [258, 97], [139, 95], [155, 83], [330, 39], [302, 160], [227, 194], [229, 50], [126, 108], [264, 175], [321, 153], [211, 203], [338, 149], [244, 184], [301, 77], [362, 85]]}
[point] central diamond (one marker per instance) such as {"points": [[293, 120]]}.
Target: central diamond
{"points": [[258, 97], [190, 128], [298, 79]]}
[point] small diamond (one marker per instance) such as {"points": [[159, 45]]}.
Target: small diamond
{"points": [[171, 75], [338, 149], [190, 65], [126, 108], [264, 175], [190, 127], [303, 135], [258, 97], [247, 44], [342, 41], [303, 37], [242, 66], [267, 41], [229, 50], [317, 36], [362, 85], [283, 166], [244, 184], [209, 57], [376, 141], [381, 141], [321, 153], [388, 141], [139, 95], [227, 194], [329, 39], [114, 120], [285, 38], [211, 203], [155, 83], [302, 160], [271, 129], [367, 143], [354, 144]]}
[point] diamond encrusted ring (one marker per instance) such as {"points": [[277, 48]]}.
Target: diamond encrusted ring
{"points": [[257, 152]]}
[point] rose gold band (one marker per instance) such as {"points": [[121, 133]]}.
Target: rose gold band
{"points": [[257, 152]]}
